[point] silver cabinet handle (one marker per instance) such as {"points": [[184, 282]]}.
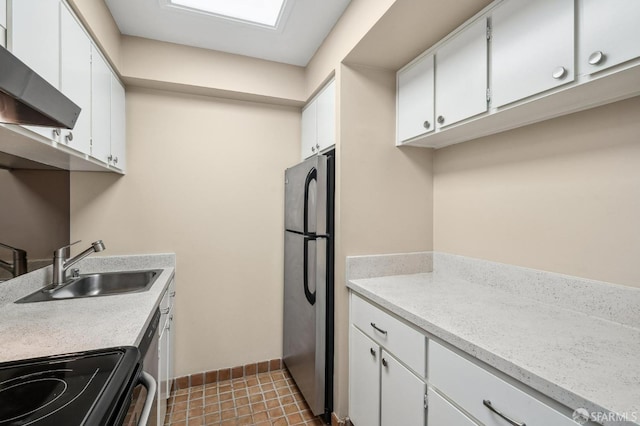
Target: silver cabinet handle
{"points": [[440, 119], [373, 351], [559, 73], [313, 149], [318, 146], [69, 137], [172, 294], [165, 311], [596, 58], [373, 324], [115, 160], [426, 124], [384, 362], [56, 132], [509, 420], [110, 158]]}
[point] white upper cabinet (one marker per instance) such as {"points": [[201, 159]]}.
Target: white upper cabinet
{"points": [[35, 36], [319, 122], [309, 130], [47, 36], [3, 22], [326, 114], [118, 125], [415, 110], [107, 114], [532, 48], [609, 33], [39, 49], [461, 75], [75, 81], [100, 107]]}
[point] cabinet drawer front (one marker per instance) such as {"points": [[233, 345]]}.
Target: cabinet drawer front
{"points": [[442, 413], [469, 385], [404, 342]]}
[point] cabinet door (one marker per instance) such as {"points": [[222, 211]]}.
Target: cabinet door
{"points": [[309, 130], [3, 20], [326, 117], [442, 413], [75, 79], [532, 48], [35, 36], [610, 32], [415, 108], [461, 75], [364, 379], [403, 395], [39, 49], [118, 125], [170, 351], [163, 383], [100, 107]]}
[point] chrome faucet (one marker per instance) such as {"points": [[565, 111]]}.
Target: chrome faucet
{"points": [[60, 264], [19, 265]]}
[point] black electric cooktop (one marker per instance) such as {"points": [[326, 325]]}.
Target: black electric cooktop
{"points": [[87, 388]]}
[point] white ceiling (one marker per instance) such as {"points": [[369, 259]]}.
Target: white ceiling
{"points": [[303, 27]]}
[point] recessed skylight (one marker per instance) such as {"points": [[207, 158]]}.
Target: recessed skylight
{"points": [[262, 12]]}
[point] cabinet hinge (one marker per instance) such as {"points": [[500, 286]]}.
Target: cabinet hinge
{"points": [[488, 96], [488, 32], [426, 401]]}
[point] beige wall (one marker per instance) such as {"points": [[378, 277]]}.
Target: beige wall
{"points": [[204, 180], [150, 62], [35, 212], [562, 195], [98, 20], [359, 17], [384, 195]]}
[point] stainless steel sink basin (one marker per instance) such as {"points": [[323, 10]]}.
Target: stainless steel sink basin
{"points": [[93, 285]]}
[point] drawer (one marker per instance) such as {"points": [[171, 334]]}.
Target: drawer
{"points": [[469, 385], [400, 339], [442, 413]]}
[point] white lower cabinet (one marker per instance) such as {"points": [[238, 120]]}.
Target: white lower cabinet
{"points": [[403, 394], [165, 351], [387, 385], [383, 390], [486, 397], [364, 379], [442, 413]]}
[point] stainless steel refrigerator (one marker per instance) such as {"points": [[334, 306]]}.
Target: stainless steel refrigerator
{"points": [[308, 280]]}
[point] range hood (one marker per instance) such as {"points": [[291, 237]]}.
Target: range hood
{"points": [[27, 98]]}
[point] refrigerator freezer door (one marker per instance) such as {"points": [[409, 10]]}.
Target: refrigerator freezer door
{"points": [[306, 197], [304, 317]]}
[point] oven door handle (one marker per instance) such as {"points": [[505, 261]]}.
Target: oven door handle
{"points": [[150, 384]]}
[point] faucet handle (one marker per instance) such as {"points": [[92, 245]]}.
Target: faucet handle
{"points": [[60, 252]]}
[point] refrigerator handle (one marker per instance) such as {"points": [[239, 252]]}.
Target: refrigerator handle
{"points": [[311, 176], [311, 297]]}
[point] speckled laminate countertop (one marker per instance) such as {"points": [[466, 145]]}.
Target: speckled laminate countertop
{"points": [[579, 360], [63, 326]]}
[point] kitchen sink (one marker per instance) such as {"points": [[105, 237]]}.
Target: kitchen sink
{"points": [[100, 284]]}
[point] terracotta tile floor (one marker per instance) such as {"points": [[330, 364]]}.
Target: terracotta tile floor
{"points": [[264, 399]]}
